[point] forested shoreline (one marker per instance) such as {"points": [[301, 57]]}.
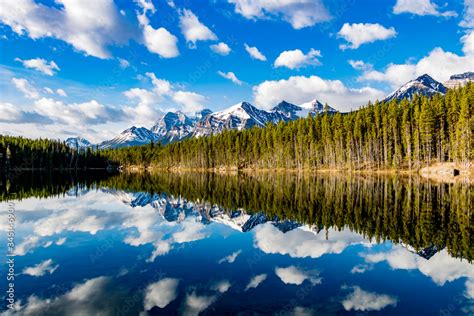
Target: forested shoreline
{"points": [[20, 153], [395, 135], [404, 135]]}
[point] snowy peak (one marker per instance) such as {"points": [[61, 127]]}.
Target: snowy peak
{"points": [[423, 85], [176, 126], [459, 80], [78, 143], [173, 126], [316, 107], [133, 136]]}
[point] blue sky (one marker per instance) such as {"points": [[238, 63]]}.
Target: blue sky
{"points": [[94, 68]]}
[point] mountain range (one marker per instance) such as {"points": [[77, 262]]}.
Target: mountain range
{"points": [[176, 126]]}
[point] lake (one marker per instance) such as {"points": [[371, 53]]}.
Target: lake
{"points": [[247, 244]]}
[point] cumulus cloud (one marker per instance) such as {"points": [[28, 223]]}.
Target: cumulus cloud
{"points": [[28, 90], [221, 49], [256, 281], [441, 268], [123, 63], [230, 258], [61, 92], [221, 286], [89, 26], [293, 275], [439, 64], [195, 304], [92, 297], [158, 41], [299, 13], [468, 20], [295, 59], [360, 33], [91, 112], [254, 52], [13, 114], [190, 101], [41, 269], [361, 300], [40, 64], [420, 7], [160, 86], [359, 65], [300, 89], [192, 29], [302, 243], [161, 293], [231, 76]]}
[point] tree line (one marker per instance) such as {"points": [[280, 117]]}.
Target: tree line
{"points": [[43, 154], [406, 210], [398, 134]]}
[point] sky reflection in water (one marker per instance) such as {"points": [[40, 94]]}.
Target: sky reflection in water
{"points": [[113, 252]]}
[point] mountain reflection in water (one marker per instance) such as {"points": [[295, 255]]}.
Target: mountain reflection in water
{"points": [[269, 243]]}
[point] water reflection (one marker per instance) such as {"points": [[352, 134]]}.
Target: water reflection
{"points": [[270, 244]]}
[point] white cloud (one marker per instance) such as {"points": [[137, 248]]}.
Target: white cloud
{"points": [[123, 63], [190, 101], [221, 286], [61, 92], [24, 86], [146, 111], [293, 275], [468, 44], [83, 299], [300, 89], [302, 242], [256, 281], [48, 90], [146, 5], [89, 26], [221, 49], [255, 53], [361, 268], [361, 300], [161, 293], [195, 304], [231, 258], [160, 41], [13, 114], [192, 29], [41, 269], [231, 76], [360, 33], [160, 86], [295, 59], [299, 13], [468, 20], [91, 112], [439, 64], [359, 65], [40, 64], [420, 7]]}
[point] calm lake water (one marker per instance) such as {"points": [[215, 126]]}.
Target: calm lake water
{"points": [[278, 244]]}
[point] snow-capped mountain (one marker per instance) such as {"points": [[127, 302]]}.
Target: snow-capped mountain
{"points": [[173, 126], [78, 143], [424, 85], [459, 80], [176, 126], [312, 107], [132, 136], [239, 116]]}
